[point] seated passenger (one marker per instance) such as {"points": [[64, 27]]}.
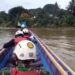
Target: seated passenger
{"points": [[28, 35], [18, 36], [12, 42]]}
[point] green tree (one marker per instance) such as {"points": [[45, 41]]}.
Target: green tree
{"points": [[15, 14], [4, 18], [71, 7], [71, 10]]}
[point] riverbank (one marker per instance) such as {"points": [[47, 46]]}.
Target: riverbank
{"points": [[8, 28], [55, 28], [51, 28]]}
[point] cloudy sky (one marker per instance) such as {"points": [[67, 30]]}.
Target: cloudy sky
{"points": [[5, 5]]}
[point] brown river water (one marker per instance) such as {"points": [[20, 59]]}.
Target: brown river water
{"points": [[61, 41]]}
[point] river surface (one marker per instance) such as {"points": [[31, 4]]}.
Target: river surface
{"points": [[61, 41]]}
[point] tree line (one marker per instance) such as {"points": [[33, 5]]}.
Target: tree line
{"points": [[51, 15]]}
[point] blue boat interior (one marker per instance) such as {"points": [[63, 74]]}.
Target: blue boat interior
{"points": [[41, 54]]}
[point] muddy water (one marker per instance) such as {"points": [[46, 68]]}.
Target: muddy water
{"points": [[61, 41], [5, 36]]}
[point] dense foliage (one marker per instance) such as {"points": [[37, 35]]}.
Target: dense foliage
{"points": [[48, 16]]}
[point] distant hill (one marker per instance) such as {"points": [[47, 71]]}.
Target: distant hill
{"points": [[51, 15], [49, 8]]}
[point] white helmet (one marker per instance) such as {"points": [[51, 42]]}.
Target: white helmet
{"points": [[19, 32], [25, 30], [25, 50]]}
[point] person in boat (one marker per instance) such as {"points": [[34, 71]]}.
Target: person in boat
{"points": [[28, 35], [18, 37], [11, 44]]}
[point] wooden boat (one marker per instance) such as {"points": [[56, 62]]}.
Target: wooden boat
{"points": [[51, 63]]}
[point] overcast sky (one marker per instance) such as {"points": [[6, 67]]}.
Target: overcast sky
{"points": [[5, 5]]}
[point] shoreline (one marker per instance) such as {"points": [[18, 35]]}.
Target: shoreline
{"points": [[8, 28], [68, 28]]}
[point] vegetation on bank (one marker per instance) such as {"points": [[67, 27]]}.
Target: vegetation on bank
{"points": [[51, 15]]}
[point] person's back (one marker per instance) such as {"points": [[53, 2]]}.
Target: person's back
{"points": [[19, 36], [12, 42], [18, 39], [28, 35]]}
